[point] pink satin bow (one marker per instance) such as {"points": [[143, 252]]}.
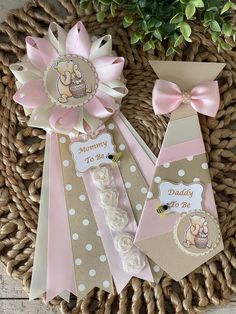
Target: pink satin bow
{"points": [[204, 98]]}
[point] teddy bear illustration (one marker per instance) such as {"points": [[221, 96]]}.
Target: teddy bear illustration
{"points": [[70, 82], [197, 233]]}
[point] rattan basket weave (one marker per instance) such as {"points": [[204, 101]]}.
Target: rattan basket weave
{"points": [[22, 148]]}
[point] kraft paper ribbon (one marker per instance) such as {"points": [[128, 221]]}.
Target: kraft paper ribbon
{"points": [[139, 187], [83, 230]]}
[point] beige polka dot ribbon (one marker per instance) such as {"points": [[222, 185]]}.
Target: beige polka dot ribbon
{"points": [[177, 244], [90, 262]]}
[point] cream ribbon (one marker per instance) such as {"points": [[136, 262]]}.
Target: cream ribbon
{"points": [[57, 36], [39, 273]]}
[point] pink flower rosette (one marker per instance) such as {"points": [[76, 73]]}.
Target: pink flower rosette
{"points": [[68, 82]]}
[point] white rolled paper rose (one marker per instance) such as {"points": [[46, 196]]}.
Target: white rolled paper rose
{"points": [[123, 242], [134, 261], [102, 177], [117, 219], [108, 198]]}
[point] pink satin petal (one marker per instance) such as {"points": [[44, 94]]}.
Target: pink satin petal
{"points": [[205, 98], [108, 68], [40, 52], [63, 119], [78, 41], [32, 94], [107, 101], [101, 106], [96, 109], [166, 97]]}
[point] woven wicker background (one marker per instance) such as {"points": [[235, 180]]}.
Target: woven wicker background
{"points": [[22, 149]]}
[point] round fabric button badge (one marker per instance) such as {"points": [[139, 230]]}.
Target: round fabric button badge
{"points": [[71, 81], [197, 233]]}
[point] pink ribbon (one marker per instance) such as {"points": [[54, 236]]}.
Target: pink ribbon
{"points": [[60, 267], [31, 94], [108, 68], [63, 119], [78, 41], [101, 106], [204, 98], [40, 52], [120, 277]]}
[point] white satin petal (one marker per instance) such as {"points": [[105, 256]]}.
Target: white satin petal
{"points": [[40, 116], [57, 37], [25, 71], [92, 123], [115, 89], [101, 47]]}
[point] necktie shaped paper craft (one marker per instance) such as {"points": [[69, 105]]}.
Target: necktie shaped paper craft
{"points": [[179, 227]]}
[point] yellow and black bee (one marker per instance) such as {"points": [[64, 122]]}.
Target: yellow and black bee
{"points": [[115, 158], [161, 209]]}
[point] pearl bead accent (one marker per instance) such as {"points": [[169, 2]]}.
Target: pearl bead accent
{"points": [[186, 97]]}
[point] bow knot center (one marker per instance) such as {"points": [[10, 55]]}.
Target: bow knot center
{"points": [[186, 97]]}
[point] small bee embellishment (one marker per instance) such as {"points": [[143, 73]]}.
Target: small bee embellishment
{"points": [[161, 209], [114, 158]]}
